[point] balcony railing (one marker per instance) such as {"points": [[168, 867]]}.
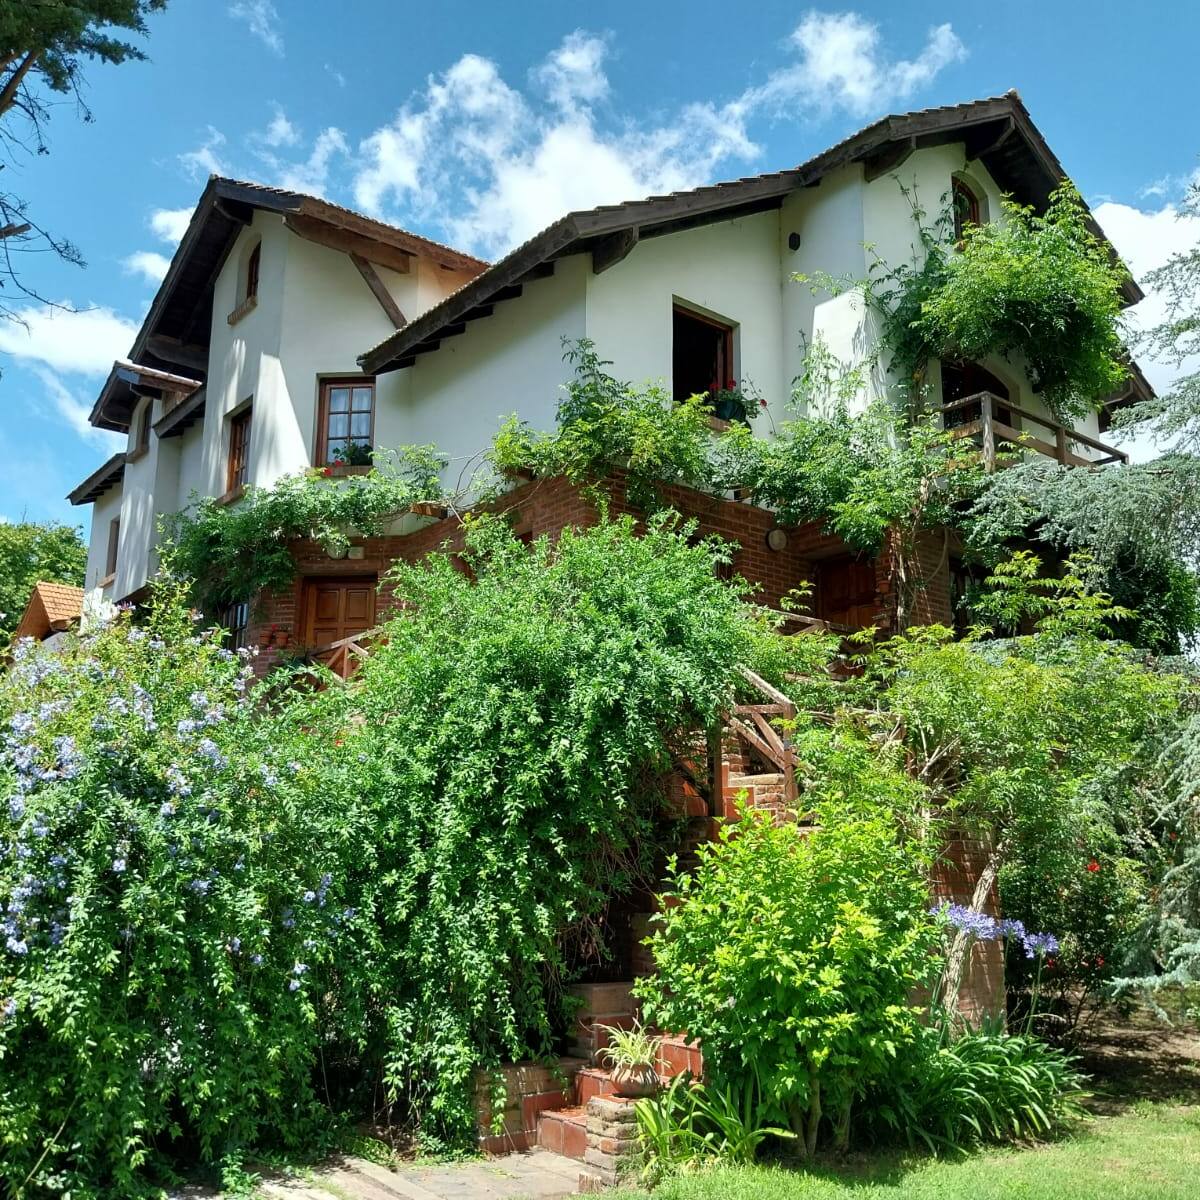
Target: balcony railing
{"points": [[990, 430]]}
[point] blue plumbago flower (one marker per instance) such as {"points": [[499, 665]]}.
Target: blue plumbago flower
{"points": [[177, 783], [256, 959], [50, 709], [136, 635], [22, 724], [118, 705], [57, 930], [240, 865], [40, 829], [209, 749], [299, 968], [323, 887], [269, 776], [100, 724], [143, 706], [348, 914], [69, 758], [294, 767], [118, 865], [16, 807], [235, 944], [166, 809], [309, 897], [309, 943], [198, 700], [293, 985], [58, 860], [200, 886], [188, 726], [287, 920], [10, 1008], [17, 946]]}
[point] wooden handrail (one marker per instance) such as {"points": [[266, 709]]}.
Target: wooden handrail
{"points": [[755, 725], [988, 427]]}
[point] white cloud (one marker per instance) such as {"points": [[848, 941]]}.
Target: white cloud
{"points": [[280, 132], [205, 159], [170, 224], [574, 73], [263, 20], [338, 77], [76, 410], [86, 340], [841, 67], [152, 267], [507, 164], [313, 175]]}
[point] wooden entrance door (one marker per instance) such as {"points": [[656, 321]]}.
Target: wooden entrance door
{"points": [[338, 608]]}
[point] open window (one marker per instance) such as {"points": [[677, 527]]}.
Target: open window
{"points": [[239, 449], [236, 620], [346, 423], [701, 355]]}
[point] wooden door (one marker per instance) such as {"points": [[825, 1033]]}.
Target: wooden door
{"points": [[847, 592], [338, 608]]}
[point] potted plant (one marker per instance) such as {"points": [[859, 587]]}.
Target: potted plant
{"points": [[633, 1056], [728, 403]]}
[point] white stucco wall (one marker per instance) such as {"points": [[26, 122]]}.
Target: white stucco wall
{"points": [[456, 396], [104, 509]]}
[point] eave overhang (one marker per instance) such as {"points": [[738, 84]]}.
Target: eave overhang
{"points": [[126, 385], [997, 131], [99, 481]]}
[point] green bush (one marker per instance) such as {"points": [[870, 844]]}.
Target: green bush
{"points": [[792, 956], [168, 911], [508, 747], [981, 1087]]}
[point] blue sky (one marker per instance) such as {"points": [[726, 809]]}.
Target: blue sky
{"points": [[479, 123]]}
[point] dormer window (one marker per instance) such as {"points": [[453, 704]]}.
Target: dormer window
{"points": [[966, 207], [247, 282]]}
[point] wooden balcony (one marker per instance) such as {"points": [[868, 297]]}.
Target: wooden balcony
{"points": [[1057, 441]]}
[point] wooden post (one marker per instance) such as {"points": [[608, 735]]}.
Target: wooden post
{"points": [[1060, 444], [716, 780], [989, 433]]}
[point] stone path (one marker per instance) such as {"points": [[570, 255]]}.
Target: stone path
{"points": [[534, 1175]]}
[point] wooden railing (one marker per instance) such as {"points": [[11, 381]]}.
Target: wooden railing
{"points": [[755, 725], [990, 430], [342, 657]]}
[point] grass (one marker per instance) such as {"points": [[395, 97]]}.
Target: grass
{"points": [[1149, 1151]]}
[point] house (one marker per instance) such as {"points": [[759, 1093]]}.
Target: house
{"points": [[290, 332], [53, 609]]}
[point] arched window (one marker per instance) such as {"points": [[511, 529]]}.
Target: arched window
{"points": [[962, 379], [966, 206]]}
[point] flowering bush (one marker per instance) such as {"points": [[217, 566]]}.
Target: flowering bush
{"points": [[166, 914]]}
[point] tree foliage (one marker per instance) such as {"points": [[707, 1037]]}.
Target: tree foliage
{"points": [[43, 49], [32, 553]]}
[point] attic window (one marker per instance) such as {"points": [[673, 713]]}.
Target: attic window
{"points": [[252, 264], [701, 354], [143, 429], [966, 206]]}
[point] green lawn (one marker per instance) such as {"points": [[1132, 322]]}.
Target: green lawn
{"points": [[1150, 1151]]}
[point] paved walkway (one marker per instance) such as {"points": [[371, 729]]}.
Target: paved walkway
{"points": [[536, 1175]]}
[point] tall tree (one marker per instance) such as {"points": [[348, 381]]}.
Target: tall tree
{"points": [[44, 45], [32, 553]]}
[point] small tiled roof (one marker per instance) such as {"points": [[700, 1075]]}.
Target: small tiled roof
{"points": [[52, 606], [998, 130]]}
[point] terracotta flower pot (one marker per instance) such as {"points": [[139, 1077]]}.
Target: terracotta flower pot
{"points": [[635, 1083]]}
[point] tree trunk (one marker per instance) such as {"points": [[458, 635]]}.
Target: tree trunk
{"points": [[956, 961]]}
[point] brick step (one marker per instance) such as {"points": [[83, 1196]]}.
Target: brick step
{"points": [[771, 779], [592, 1081], [564, 1131]]}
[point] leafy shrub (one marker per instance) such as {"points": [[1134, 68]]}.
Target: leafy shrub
{"points": [[1041, 286], [167, 917], [981, 1087], [689, 1121], [604, 423], [230, 552], [792, 957], [508, 745]]}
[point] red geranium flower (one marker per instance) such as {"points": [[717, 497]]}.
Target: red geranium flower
{"points": [[327, 471], [1093, 866], [762, 403], [1099, 960]]}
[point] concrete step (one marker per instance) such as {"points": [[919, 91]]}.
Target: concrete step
{"points": [[770, 779], [564, 1131]]}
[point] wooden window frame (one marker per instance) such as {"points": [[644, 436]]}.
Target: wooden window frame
{"points": [[236, 620], [974, 213], [253, 266], [241, 431], [145, 418], [325, 386], [112, 551], [725, 367]]}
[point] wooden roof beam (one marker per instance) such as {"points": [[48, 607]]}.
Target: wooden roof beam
{"points": [[379, 291], [321, 233]]}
